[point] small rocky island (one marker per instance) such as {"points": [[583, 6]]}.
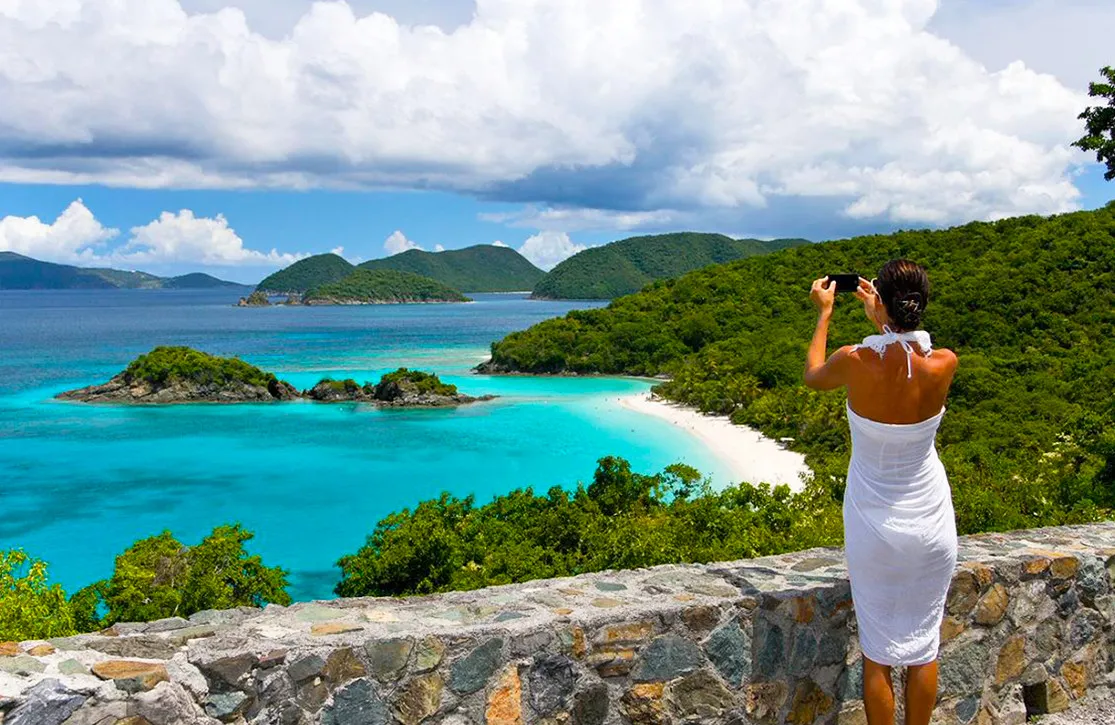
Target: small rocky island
{"points": [[382, 287], [184, 375], [255, 299]]}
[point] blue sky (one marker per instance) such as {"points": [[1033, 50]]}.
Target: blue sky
{"points": [[545, 125]]}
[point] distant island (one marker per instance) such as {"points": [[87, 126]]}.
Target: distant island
{"points": [[183, 375], [18, 272], [381, 286], [625, 267], [481, 268]]}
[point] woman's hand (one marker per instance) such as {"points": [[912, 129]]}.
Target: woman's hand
{"points": [[872, 304], [823, 294]]}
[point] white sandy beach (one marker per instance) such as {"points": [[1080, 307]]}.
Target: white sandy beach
{"points": [[749, 455]]}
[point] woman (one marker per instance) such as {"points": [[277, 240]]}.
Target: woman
{"points": [[899, 526]]}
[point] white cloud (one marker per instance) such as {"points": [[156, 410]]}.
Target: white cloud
{"points": [[547, 248], [498, 243], [439, 248], [636, 105], [183, 237], [579, 219], [76, 237], [71, 238], [398, 242]]}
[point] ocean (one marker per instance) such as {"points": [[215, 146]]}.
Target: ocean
{"points": [[80, 483]]}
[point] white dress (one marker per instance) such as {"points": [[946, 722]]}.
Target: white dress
{"points": [[899, 529]]}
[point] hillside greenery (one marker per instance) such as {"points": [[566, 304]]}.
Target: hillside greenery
{"points": [[416, 381], [626, 266], [305, 274], [166, 364], [1028, 304], [383, 286], [30, 607], [481, 268], [18, 272]]}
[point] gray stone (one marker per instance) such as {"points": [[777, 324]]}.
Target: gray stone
{"points": [[357, 704], [473, 671], [771, 648], [667, 657], [306, 667], [166, 625], [610, 586], [698, 696], [180, 637], [550, 681], [72, 667], [226, 704], [21, 665], [831, 650], [142, 646], [47, 703], [803, 653], [1084, 627], [531, 643], [99, 714], [849, 686], [167, 704], [967, 708], [1092, 579], [963, 669], [227, 672], [590, 705], [388, 657], [730, 651]]}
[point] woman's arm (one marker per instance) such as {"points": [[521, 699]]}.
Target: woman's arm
{"points": [[819, 373]]}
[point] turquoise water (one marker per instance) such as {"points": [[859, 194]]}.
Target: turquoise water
{"points": [[80, 483]]}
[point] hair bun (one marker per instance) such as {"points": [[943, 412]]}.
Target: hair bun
{"points": [[911, 302]]}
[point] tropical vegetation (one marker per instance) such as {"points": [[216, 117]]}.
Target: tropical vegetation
{"points": [[626, 266], [1027, 303], [18, 272], [168, 364], [305, 274], [368, 286], [481, 268]]}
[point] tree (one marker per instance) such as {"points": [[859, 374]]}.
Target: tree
{"points": [[1100, 123], [159, 577], [30, 608]]}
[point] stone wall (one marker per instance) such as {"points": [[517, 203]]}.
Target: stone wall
{"points": [[1029, 629]]}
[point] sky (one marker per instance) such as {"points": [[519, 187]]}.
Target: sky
{"points": [[237, 136]]}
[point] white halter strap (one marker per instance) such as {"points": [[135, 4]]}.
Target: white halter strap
{"points": [[879, 343]]}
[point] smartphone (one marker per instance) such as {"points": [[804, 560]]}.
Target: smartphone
{"points": [[845, 282]]}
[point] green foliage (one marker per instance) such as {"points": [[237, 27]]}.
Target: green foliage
{"points": [[1099, 122], [626, 266], [416, 381], [30, 608], [165, 365], [384, 285], [159, 577], [20, 272], [1027, 303], [621, 520], [305, 274], [482, 268]]}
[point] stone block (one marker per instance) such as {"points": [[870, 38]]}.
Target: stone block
{"points": [[306, 667], [131, 676], [505, 701], [388, 657], [227, 672], [1045, 698], [963, 593], [472, 672], [699, 696], [419, 698], [342, 666], [643, 704], [809, 703], [47, 703], [992, 606], [612, 661], [357, 703], [428, 654], [1075, 675], [550, 682], [590, 705], [770, 648], [667, 657], [764, 700], [1012, 659], [729, 650]]}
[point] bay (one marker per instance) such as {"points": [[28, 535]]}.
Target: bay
{"points": [[80, 483]]}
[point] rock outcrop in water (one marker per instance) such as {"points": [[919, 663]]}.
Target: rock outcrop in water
{"points": [[255, 299], [183, 375]]}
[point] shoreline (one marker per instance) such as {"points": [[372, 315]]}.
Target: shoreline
{"points": [[748, 454]]}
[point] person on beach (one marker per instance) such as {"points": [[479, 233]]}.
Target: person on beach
{"points": [[899, 524]]}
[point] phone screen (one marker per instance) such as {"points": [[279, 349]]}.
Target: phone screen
{"points": [[845, 282]]}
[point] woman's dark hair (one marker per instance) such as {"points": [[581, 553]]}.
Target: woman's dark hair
{"points": [[904, 287]]}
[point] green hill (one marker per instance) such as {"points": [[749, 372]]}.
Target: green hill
{"points": [[1027, 303], [18, 272], [482, 268], [305, 274], [626, 266], [382, 286]]}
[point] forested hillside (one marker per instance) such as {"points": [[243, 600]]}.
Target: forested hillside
{"points": [[1027, 303], [482, 268], [626, 266], [305, 274], [382, 286], [18, 272]]}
